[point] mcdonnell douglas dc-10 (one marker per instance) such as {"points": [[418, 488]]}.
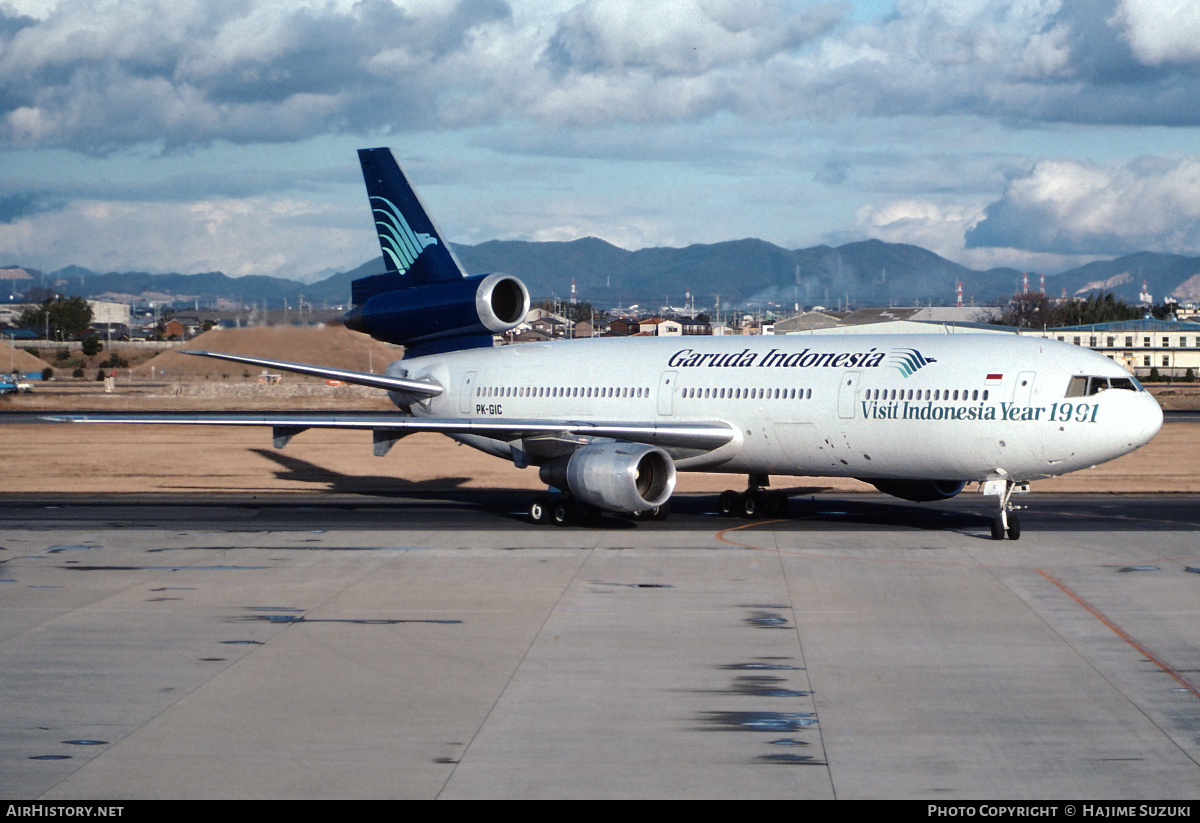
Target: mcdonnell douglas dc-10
{"points": [[610, 421]]}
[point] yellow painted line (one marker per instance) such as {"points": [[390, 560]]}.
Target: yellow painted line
{"points": [[1121, 633]]}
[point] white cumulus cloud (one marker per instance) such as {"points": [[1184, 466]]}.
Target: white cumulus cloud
{"points": [[1072, 207], [1161, 31], [235, 235]]}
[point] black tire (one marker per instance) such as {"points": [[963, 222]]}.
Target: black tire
{"points": [[540, 510], [1014, 527], [729, 503], [752, 505], [563, 513], [661, 512], [997, 528]]}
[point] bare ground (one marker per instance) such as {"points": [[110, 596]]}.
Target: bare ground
{"points": [[66, 458], [138, 459]]}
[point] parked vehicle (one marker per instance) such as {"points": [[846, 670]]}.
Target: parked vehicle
{"points": [[12, 385]]}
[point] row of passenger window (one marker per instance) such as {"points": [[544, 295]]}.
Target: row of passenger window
{"points": [[927, 394], [561, 391], [748, 394]]}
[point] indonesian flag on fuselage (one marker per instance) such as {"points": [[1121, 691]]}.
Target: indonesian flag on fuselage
{"points": [[993, 379]]}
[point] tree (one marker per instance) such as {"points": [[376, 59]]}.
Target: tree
{"points": [[64, 316], [1035, 310], [92, 345], [1029, 309], [577, 312], [1099, 307]]}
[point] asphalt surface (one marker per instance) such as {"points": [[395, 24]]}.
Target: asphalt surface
{"points": [[440, 646], [809, 510]]}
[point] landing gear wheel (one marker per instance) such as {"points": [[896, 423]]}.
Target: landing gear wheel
{"points": [[563, 513], [661, 512], [540, 510], [781, 504], [752, 505], [997, 528], [1006, 523], [1014, 527], [729, 504]]}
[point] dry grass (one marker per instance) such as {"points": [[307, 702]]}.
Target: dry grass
{"points": [[141, 459], [133, 459], [19, 359], [333, 346]]}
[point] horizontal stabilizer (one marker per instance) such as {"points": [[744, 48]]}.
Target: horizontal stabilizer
{"points": [[358, 378]]}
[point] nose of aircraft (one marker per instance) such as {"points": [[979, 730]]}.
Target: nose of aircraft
{"points": [[1145, 422]]}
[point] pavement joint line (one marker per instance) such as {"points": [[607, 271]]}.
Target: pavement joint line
{"points": [[1105, 516], [1121, 633], [817, 553], [512, 674], [807, 671]]}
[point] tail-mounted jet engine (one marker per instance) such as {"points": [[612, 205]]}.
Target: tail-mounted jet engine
{"points": [[920, 491], [620, 477], [419, 316]]}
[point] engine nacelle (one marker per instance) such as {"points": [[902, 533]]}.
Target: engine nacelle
{"points": [[920, 491], [621, 477], [482, 305]]}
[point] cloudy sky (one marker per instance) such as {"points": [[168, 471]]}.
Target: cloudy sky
{"points": [[171, 135]]}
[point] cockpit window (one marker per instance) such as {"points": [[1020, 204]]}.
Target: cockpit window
{"points": [[1127, 383], [1086, 386]]}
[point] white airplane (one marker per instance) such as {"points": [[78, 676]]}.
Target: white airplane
{"points": [[609, 422]]}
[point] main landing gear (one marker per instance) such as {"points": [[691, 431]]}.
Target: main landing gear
{"points": [[754, 502], [562, 510], [1006, 523]]}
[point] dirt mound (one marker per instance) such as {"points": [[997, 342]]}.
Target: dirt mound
{"points": [[20, 360], [333, 346]]}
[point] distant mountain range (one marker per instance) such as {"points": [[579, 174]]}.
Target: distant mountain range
{"points": [[742, 272]]}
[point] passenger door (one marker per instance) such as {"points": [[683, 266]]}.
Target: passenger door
{"points": [[848, 395], [666, 392]]}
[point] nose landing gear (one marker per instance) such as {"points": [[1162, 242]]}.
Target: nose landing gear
{"points": [[1006, 523]]}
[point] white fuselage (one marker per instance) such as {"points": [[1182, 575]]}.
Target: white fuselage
{"points": [[947, 406]]}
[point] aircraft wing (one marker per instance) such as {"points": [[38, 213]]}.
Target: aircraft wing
{"points": [[389, 427], [376, 381]]}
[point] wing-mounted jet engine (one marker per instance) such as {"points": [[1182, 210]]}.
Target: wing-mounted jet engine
{"points": [[423, 300], [623, 477]]}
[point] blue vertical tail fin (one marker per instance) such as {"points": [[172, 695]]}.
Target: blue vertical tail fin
{"points": [[424, 301], [415, 252]]}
